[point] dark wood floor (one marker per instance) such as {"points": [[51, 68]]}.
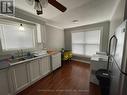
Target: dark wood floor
{"points": [[70, 79]]}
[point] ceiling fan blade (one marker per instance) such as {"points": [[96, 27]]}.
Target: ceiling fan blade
{"points": [[57, 5]]}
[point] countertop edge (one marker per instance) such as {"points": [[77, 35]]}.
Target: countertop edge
{"points": [[27, 60]]}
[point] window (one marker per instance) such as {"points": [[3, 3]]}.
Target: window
{"points": [[86, 43], [12, 38]]}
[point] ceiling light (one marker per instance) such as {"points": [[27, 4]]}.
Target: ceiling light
{"points": [[75, 21], [21, 27]]}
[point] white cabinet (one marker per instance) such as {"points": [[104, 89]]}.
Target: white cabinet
{"points": [[39, 68], [45, 67], [56, 61], [34, 70], [20, 76], [4, 82], [43, 32]]}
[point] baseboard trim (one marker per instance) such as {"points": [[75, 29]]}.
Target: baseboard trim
{"points": [[81, 60]]}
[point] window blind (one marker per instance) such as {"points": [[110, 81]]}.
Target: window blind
{"points": [[86, 43]]}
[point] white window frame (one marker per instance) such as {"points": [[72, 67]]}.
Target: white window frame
{"points": [[6, 22], [86, 30]]}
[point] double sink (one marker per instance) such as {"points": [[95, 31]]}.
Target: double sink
{"points": [[13, 61], [5, 63], [19, 59]]}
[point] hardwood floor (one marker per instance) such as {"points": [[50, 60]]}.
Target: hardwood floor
{"points": [[70, 79]]}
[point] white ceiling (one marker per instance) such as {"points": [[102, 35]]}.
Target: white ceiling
{"points": [[85, 11]]}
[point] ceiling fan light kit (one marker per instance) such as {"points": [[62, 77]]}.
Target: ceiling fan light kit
{"points": [[40, 4]]}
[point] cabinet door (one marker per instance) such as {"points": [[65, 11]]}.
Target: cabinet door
{"points": [[20, 77], [45, 67], [43, 30], [56, 61], [34, 70], [4, 82]]}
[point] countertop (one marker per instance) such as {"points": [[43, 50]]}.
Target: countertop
{"points": [[6, 64], [30, 59], [99, 57]]}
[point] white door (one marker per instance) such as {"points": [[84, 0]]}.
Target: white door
{"points": [[4, 82], [20, 77], [56, 61], [45, 67], [34, 70]]}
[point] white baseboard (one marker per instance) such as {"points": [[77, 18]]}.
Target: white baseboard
{"points": [[81, 60]]}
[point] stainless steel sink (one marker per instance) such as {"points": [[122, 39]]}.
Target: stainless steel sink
{"points": [[21, 58], [17, 60]]}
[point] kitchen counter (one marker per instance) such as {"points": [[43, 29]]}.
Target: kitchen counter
{"points": [[30, 59], [52, 52], [22, 72], [8, 64]]}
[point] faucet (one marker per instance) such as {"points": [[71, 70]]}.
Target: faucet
{"points": [[22, 52], [18, 53]]}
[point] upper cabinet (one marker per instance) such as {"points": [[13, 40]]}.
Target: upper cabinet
{"points": [[43, 28], [39, 33]]}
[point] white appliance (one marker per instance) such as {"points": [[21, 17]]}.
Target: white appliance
{"points": [[119, 62], [56, 61], [98, 61]]}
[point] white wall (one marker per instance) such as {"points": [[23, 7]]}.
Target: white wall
{"points": [[54, 38], [104, 44]]}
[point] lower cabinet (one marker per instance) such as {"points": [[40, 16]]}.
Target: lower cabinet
{"points": [[34, 68], [45, 67], [20, 76], [25, 74], [4, 82], [56, 61]]}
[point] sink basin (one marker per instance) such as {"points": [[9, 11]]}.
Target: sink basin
{"points": [[21, 59], [17, 60], [29, 57]]}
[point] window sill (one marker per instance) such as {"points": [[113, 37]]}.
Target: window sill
{"points": [[79, 55]]}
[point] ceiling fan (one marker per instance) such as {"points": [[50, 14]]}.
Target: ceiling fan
{"points": [[40, 4]]}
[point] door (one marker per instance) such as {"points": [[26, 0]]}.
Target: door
{"points": [[45, 67], [4, 82], [20, 77], [34, 70], [56, 61]]}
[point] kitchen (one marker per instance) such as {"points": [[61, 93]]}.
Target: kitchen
{"points": [[35, 46]]}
